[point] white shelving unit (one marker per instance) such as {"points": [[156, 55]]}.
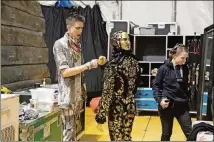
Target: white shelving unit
{"points": [[152, 50]]}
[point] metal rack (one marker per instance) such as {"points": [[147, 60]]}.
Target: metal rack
{"points": [[144, 95], [206, 65]]}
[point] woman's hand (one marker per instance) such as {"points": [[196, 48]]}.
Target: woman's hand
{"points": [[131, 116], [164, 103]]}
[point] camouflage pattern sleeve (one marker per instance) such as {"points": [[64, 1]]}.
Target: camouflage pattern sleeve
{"points": [[135, 76], [60, 56], [107, 93]]}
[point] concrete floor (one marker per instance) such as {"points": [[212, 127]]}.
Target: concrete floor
{"points": [[145, 128]]}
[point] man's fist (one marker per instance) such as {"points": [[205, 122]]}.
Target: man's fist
{"points": [[94, 63]]}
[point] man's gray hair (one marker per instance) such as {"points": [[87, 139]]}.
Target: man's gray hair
{"points": [[73, 18]]}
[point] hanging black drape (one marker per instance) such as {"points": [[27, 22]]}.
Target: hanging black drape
{"points": [[93, 39]]}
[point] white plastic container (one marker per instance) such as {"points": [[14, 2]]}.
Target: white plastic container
{"points": [[43, 94], [46, 106], [34, 93], [147, 30]]}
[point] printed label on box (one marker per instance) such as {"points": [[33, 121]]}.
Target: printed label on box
{"points": [[161, 26]]}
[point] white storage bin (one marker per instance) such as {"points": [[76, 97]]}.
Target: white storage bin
{"points": [[165, 28], [44, 106], [43, 94], [147, 30]]}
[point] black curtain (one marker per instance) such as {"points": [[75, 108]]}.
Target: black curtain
{"points": [[93, 40]]}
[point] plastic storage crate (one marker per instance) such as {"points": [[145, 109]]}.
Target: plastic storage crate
{"points": [[165, 28], [147, 30]]}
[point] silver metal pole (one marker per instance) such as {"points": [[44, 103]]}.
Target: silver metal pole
{"points": [[174, 11]]}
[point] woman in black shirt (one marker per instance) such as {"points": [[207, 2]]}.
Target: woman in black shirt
{"points": [[170, 90]]}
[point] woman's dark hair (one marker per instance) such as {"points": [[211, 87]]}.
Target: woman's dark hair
{"points": [[177, 50], [73, 18]]}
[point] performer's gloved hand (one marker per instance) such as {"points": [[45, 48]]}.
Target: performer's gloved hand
{"points": [[102, 60], [99, 119]]}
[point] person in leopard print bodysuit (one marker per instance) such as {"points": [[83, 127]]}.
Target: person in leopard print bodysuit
{"points": [[117, 100]]}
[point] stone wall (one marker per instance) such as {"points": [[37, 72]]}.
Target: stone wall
{"points": [[24, 55]]}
